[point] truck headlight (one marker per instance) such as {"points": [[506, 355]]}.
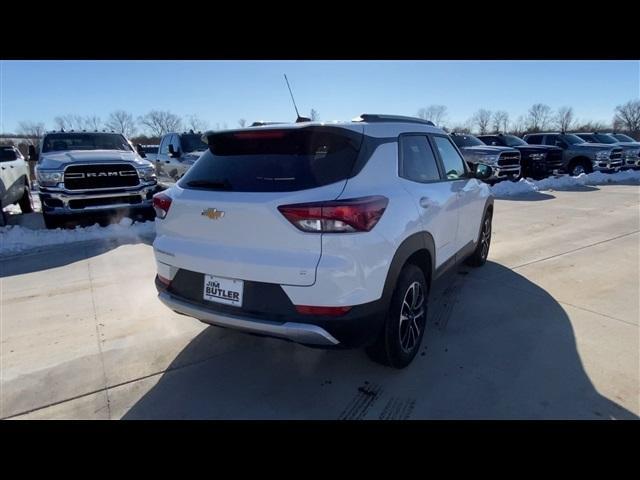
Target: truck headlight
{"points": [[489, 159], [147, 173], [536, 157], [49, 178], [603, 155]]}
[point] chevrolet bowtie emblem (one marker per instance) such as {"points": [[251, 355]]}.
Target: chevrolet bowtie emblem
{"points": [[212, 213]]}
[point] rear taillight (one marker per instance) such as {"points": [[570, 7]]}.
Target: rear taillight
{"points": [[161, 204], [352, 215]]}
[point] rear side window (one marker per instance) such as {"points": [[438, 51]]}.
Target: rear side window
{"points": [[534, 139], [550, 139], [282, 160], [7, 154], [417, 161]]}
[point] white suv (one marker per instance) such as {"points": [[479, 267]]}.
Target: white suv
{"points": [[325, 234]]}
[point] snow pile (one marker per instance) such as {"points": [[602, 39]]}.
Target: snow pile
{"points": [[16, 239], [506, 188]]}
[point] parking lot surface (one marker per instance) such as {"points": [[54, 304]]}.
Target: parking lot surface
{"points": [[547, 329]]}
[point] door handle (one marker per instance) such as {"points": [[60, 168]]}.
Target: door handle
{"points": [[167, 161], [425, 202]]}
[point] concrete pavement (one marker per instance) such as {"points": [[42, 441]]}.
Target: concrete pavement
{"points": [[547, 329]]}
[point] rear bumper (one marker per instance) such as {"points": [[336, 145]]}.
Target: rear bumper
{"points": [[268, 311], [298, 332]]}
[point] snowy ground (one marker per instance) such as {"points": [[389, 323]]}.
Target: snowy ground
{"points": [[16, 239], [524, 186]]}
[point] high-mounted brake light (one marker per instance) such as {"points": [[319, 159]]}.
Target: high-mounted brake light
{"points": [[338, 216], [161, 204], [265, 134]]}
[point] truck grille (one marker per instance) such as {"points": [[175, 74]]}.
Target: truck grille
{"points": [[616, 154], [104, 202], [89, 177], [509, 159]]}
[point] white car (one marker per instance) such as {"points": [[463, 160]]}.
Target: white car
{"points": [[325, 234], [14, 181]]}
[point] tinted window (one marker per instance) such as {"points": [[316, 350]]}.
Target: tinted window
{"points": [[466, 140], [588, 138], [604, 138], [491, 140], [451, 159], [534, 139], [7, 154], [572, 139], [623, 138], [150, 149], [417, 161], [275, 160], [84, 141], [512, 141], [192, 143]]}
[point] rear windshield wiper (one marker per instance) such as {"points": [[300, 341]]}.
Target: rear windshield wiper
{"points": [[211, 184]]}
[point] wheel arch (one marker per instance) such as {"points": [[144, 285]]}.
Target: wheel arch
{"points": [[417, 249]]}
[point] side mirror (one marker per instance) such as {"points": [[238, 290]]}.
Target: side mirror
{"points": [[483, 171], [173, 152], [140, 151], [33, 156]]}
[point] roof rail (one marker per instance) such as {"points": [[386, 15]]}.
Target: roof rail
{"points": [[378, 118], [261, 123]]}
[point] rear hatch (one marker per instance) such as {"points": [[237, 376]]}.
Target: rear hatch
{"points": [[224, 218]]}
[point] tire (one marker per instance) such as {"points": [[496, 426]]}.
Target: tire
{"points": [[398, 342], [578, 167], [51, 221], [25, 203], [480, 254]]}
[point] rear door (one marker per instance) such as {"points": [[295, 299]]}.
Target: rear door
{"points": [[224, 218], [471, 193], [435, 197]]}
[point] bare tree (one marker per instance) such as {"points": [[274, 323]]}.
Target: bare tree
{"points": [[68, 122], [434, 113], [242, 122], [481, 120], [92, 122], [538, 117], [196, 124], [314, 115], [627, 117], [32, 130], [519, 127], [122, 122], [564, 118], [590, 126], [161, 122], [500, 121]]}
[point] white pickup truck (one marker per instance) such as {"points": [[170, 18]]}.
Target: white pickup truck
{"points": [[92, 173], [14, 181]]}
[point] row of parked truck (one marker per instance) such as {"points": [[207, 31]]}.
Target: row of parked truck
{"points": [[81, 172]]}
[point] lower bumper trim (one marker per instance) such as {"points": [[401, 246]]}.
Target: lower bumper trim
{"points": [[297, 332]]}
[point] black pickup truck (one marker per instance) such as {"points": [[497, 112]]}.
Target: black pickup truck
{"points": [[536, 161]]}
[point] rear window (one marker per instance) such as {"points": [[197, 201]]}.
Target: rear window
{"points": [[7, 154], [275, 160]]}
